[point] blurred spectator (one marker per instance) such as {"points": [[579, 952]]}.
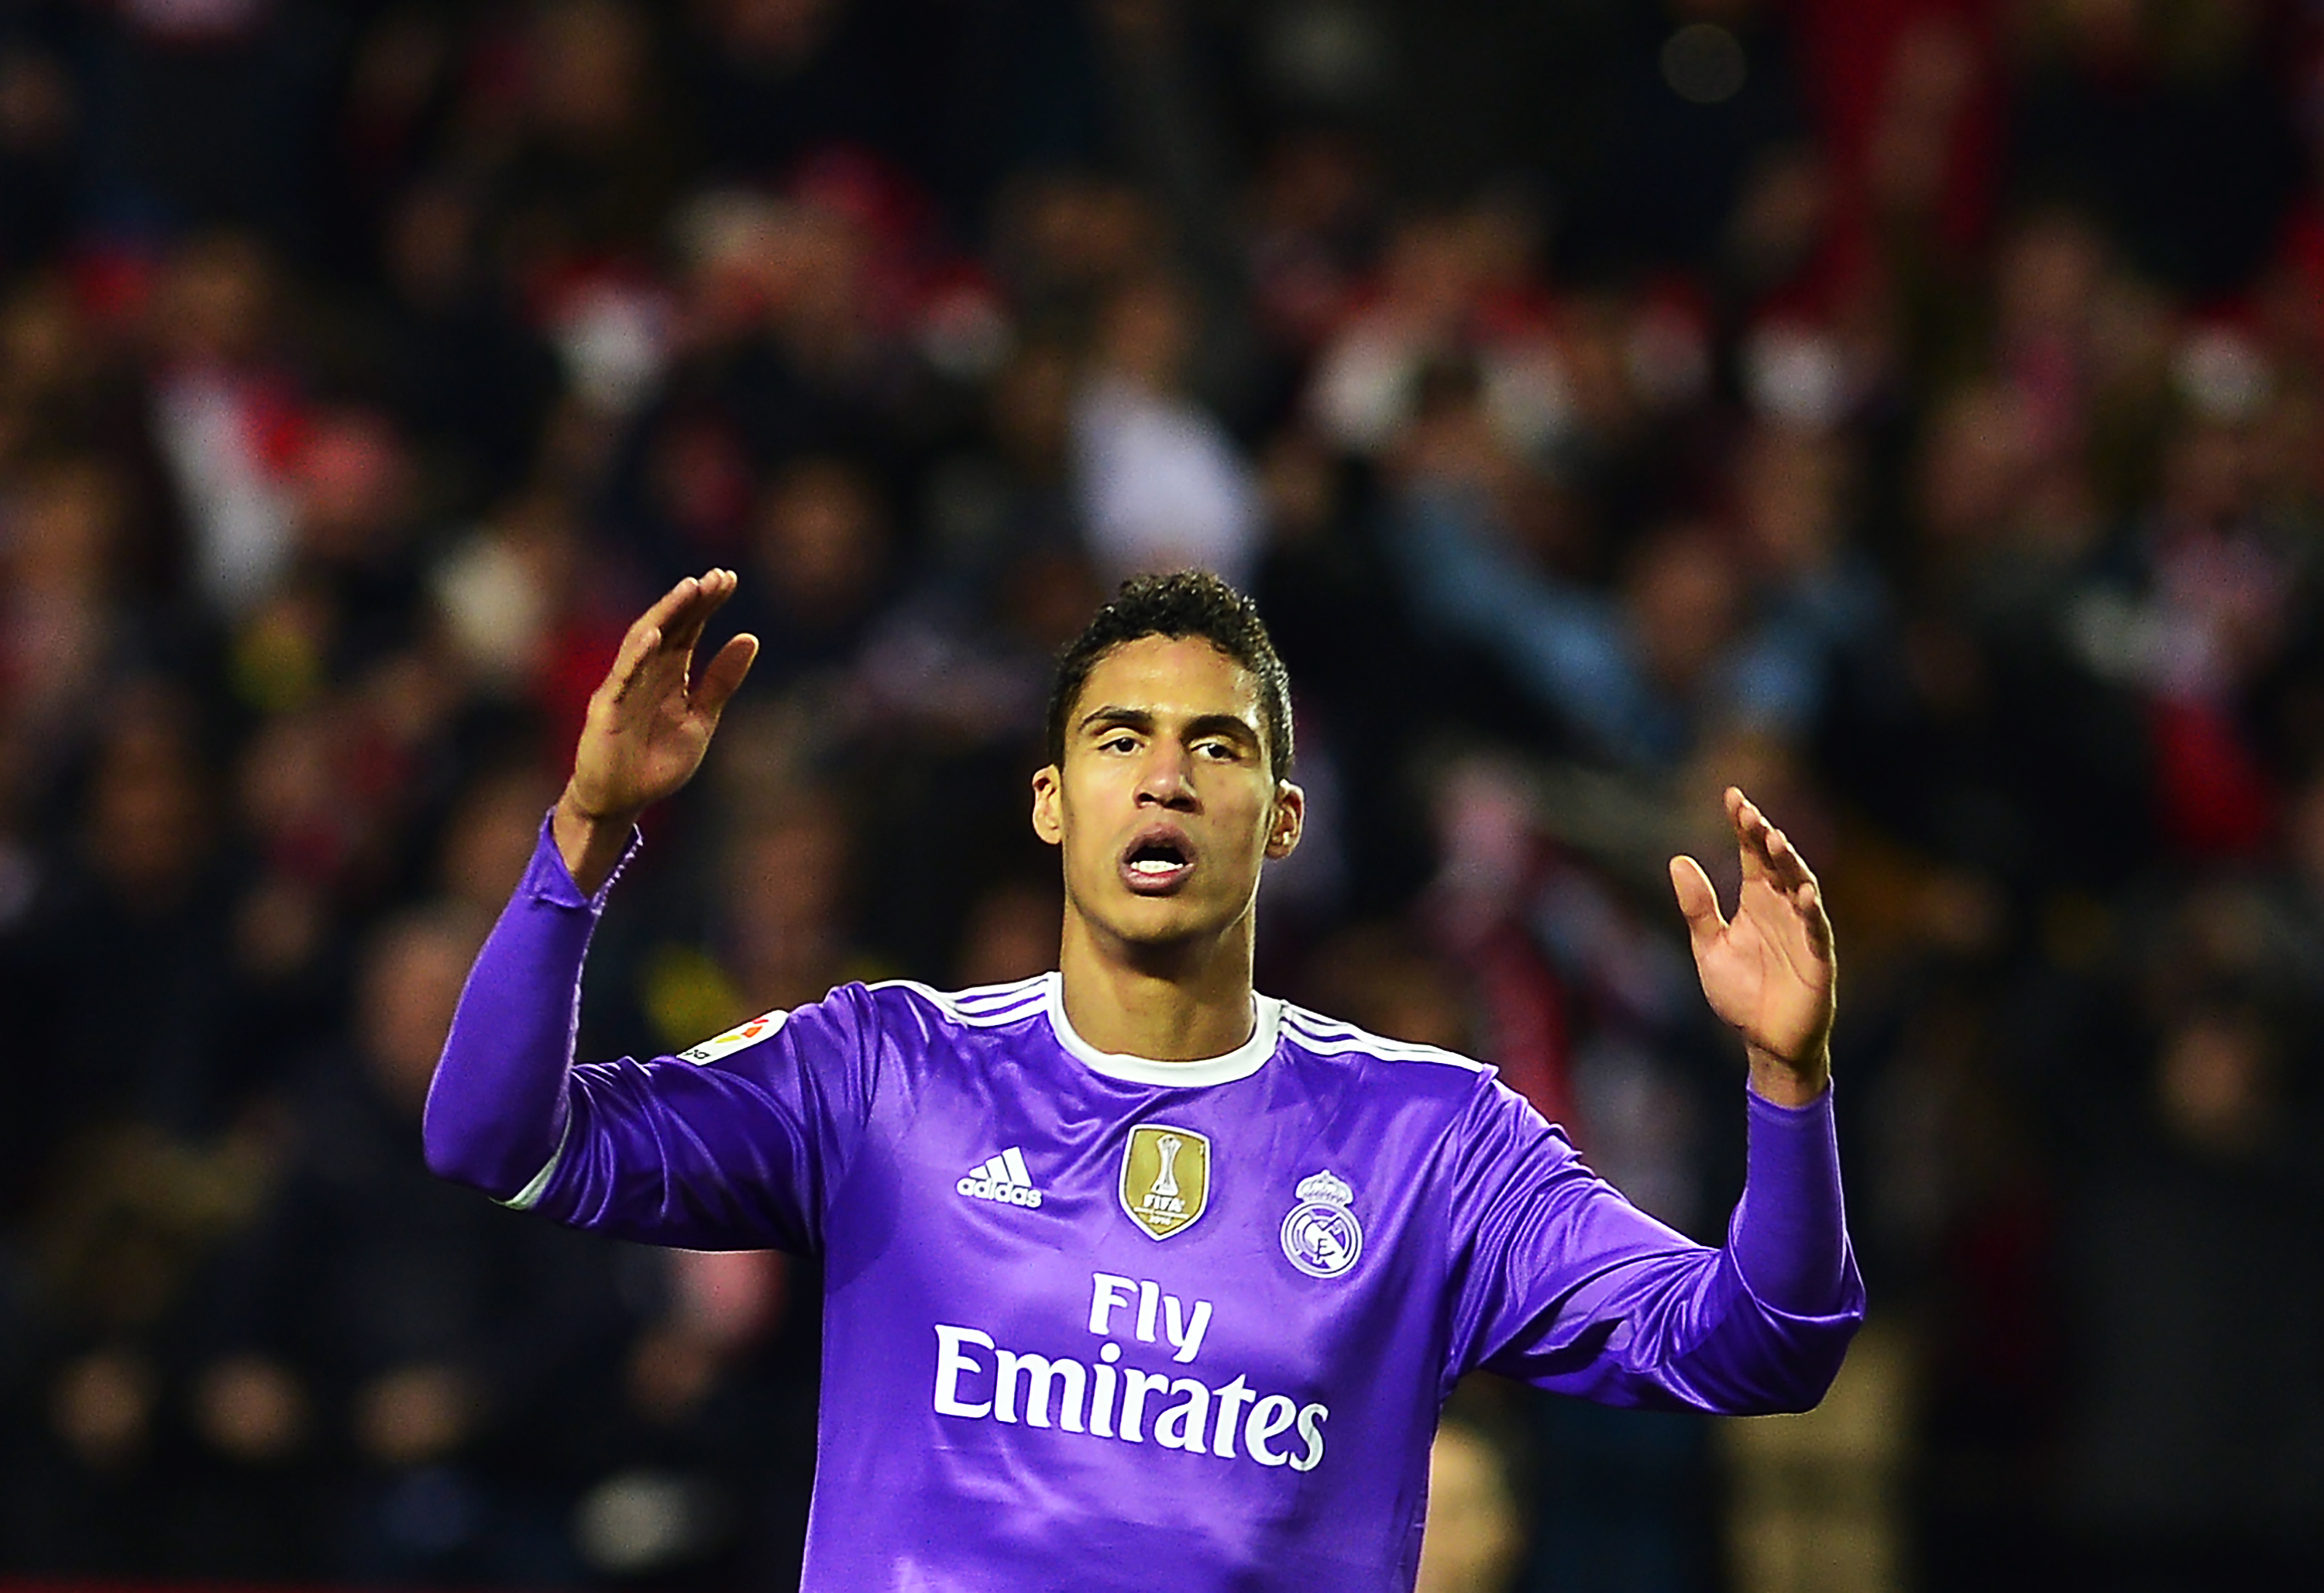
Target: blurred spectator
{"points": [[1641, 679], [695, 1494], [204, 113], [1453, 290], [62, 616], [467, 373], [134, 920], [2136, 111], [770, 80], [2194, 1289], [786, 901], [223, 412], [2006, 747], [1162, 485], [41, 119], [823, 561], [1012, 935], [490, 836], [395, 1365]]}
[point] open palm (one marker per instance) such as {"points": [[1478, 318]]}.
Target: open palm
{"points": [[1769, 971], [649, 722]]}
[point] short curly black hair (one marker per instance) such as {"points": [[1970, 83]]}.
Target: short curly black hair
{"points": [[1183, 603]]}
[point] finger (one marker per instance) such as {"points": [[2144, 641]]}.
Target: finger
{"points": [[712, 588], [669, 610], [637, 651], [1752, 831], [1789, 864], [1809, 899], [1698, 903], [1767, 852], [724, 674]]}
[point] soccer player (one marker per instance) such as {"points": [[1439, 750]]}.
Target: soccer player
{"points": [[1137, 1279]]}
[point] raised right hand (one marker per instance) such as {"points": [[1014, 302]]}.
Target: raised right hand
{"points": [[649, 724]]}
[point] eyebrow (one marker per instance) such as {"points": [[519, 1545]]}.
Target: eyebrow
{"points": [[1142, 720]]}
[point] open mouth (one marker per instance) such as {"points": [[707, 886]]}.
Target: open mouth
{"points": [[1156, 864]]}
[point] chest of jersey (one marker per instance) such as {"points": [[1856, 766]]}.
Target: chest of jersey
{"points": [[1226, 1272]]}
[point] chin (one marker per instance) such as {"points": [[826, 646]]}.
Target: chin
{"points": [[1160, 922], [1163, 924]]}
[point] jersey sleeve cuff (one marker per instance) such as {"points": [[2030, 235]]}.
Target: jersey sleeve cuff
{"points": [[1764, 1110], [548, 881]]}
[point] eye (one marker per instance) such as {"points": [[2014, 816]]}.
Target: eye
{"points": [[1219, 751], [1120, 741]]}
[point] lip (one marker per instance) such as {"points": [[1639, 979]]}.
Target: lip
{"points": [[1163, 882]]}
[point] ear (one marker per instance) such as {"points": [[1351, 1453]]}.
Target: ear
{"points": [[1048, 818], [1290, 816]]}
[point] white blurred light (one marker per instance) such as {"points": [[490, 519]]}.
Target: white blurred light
{"points": [[494, 609], [1162, 485], [639, 1521], [615, 342], [1796, 373], [2223, 375]]}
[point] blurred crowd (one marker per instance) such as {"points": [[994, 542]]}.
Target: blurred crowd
{"points": [[1913, 411]]}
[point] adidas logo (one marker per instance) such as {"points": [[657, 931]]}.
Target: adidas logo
{"points": [[1003, 1179]]}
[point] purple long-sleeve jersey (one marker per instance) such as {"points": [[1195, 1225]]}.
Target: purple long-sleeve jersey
{"points": [[1097, 1322]]}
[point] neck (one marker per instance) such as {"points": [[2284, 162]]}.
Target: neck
{"points": [[1186, 1002]]}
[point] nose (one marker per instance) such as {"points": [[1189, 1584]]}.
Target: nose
{"points": [[1164, 781]]}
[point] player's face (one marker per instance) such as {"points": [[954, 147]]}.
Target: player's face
{"points": [[1165, 806]]}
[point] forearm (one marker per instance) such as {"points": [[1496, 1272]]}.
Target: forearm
{"points": [[497, 1111], [1790, 1233]]}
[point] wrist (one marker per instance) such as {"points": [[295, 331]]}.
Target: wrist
{"points": [[570, 803], [590, 842], [1787, 1082]]}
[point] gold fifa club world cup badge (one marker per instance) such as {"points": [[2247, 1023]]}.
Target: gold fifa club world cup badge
{"points": [[1165, 1178]]}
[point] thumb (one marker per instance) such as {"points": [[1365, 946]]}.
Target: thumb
{"points": [[1697, 902], [724, 674]]}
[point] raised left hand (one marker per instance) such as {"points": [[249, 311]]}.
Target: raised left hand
{"points": [[1769, 972]]}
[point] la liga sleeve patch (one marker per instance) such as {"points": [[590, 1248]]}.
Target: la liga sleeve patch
{"points": [[764, 1026]]}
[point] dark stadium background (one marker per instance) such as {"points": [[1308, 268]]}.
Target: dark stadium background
{"points": [[1909, 408]]}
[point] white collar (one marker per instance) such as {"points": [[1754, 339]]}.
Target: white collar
{"points": [[1241, 1063]]}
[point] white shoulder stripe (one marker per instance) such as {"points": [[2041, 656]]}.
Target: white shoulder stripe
{"points": [[1316, 1025], [984, 996], [991, 1012], [1355, 1045], [1329, 1037]]}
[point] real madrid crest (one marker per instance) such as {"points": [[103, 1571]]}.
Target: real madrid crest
{"points": [[1321, 1237], [1165, 1178]]}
